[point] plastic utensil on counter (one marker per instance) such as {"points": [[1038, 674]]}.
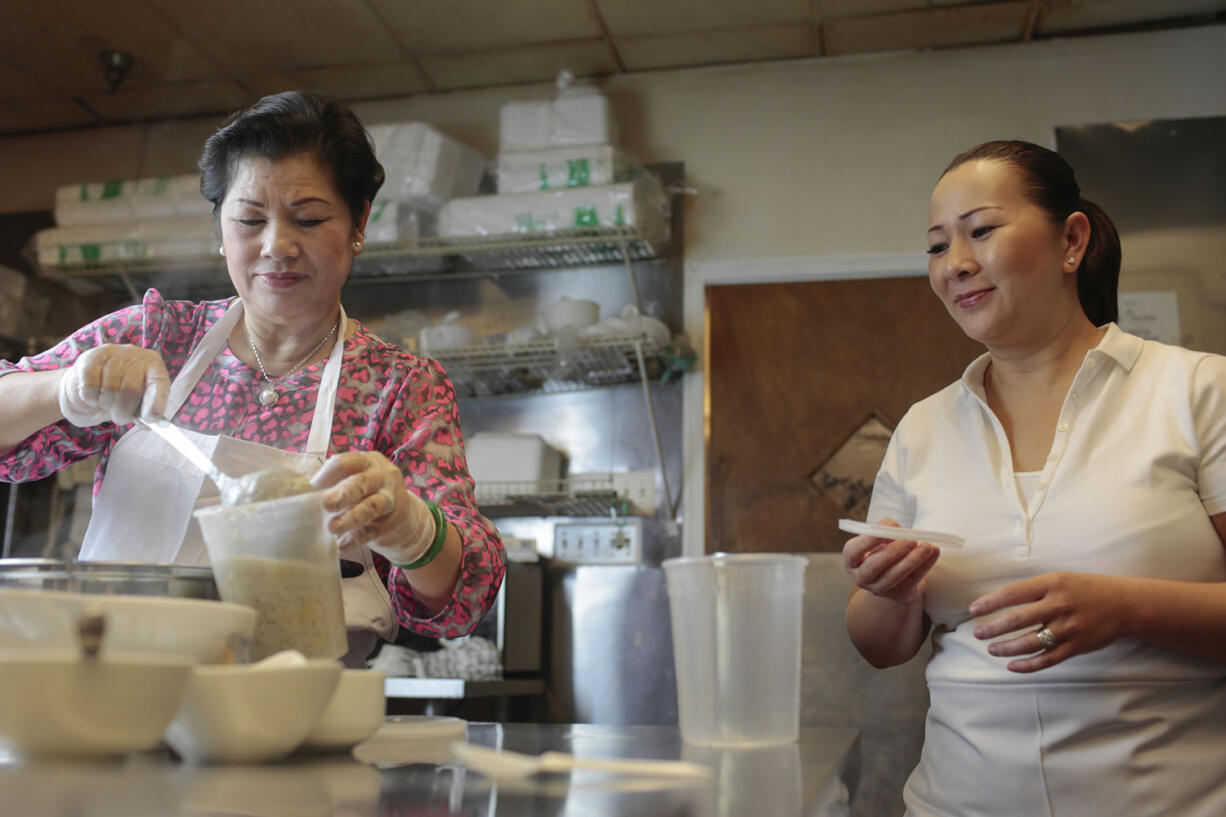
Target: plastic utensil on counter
{"points": [[503, 763], [890, 532]]}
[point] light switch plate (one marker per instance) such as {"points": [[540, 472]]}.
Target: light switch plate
{"points": [[611, 542]]}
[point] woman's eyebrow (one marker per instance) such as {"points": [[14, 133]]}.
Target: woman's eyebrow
{"points": [[969, 213]]}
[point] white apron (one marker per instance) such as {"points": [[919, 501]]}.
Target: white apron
{"points": [[144, 508], [1129, 749]]}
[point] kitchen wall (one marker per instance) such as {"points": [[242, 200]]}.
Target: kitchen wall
{"points": [[796, 158]]}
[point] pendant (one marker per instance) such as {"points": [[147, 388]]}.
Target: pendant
{"points": [[268, 396]]}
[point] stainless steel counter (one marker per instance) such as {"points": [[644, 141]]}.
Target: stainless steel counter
{"points": [[812, 777]]}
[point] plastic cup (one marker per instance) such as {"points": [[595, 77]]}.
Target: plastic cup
{"points": [[278, 557], [736, 646]]}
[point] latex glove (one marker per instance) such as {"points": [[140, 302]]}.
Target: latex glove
{"points": [[895, 569], [372, 507], [115, 383]]}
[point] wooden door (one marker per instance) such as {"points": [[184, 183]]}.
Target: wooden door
{"points": [[804, 383]]}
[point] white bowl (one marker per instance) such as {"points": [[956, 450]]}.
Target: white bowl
{"points": [[250, 712], [446, 336], [354, 713], [569, 313], [54, 703], [205, 631]]}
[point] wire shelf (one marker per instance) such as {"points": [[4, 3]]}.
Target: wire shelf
{"points": [[427, 255], [545, 366], [619, 494]]}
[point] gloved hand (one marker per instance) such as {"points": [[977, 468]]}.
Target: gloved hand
{"points": [[116, 383], [373, 507]]}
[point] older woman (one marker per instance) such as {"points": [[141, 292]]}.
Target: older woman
{"points": [[1079, 662], [276, 377]]}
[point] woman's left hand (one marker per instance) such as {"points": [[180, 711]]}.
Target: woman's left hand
{"points": [[373, 507], [1084, 612]]}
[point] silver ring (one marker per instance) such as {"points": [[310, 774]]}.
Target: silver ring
{"points": [[1046, 638]]}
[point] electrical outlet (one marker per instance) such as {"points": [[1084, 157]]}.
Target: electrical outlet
{"points": [[602, 542]]}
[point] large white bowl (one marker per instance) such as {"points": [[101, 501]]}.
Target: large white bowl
{"points": [[205, 631], [58, 704], [247, 713], [354, 713]]}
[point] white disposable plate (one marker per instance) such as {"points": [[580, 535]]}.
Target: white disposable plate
{"points": [[889, 532]]}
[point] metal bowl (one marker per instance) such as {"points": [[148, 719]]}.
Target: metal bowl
{"points": [[113, 578]]}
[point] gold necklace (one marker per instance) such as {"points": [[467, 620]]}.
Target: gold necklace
{"points": [[269, 395]]}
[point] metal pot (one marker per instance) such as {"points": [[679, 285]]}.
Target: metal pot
{"points": [[112, 578]]}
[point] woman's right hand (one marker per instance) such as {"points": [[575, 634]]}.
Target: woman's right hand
{"points": [[894, 569], [115, 383]]}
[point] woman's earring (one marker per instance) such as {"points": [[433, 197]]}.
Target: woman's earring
{"points": [[221, 250], [1072, 261], [357, 246]]}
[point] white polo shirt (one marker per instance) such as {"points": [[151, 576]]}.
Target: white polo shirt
{"points": [[1137, 466]]}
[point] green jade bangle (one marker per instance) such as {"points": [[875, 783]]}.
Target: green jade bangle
{"points": [[436, 547]]}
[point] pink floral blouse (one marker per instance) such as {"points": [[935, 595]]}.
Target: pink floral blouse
{"points": [[388, 400]]}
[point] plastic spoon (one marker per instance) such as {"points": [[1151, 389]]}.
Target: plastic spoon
{"points": [[168, 431], [233, 490], [502, 763]]}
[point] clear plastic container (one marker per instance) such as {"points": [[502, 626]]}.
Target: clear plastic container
{"points": [[278, 557], [736, 645]]}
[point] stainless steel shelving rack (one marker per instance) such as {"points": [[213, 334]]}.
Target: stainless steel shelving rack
{"points": [[478, 372]]}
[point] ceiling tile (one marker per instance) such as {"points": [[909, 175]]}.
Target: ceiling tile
{"points": [[539, 62], [270, 35], [650, 17], [19, 83], [157, 101], [828, 9], [43, 114], [1059, 16], [62, 41], [712, 47], [433, 27], [931, 28], [369, 81]]}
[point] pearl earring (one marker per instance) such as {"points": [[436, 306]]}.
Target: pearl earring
{"points": [[221, 251], [357, 246], [1072, 261]]}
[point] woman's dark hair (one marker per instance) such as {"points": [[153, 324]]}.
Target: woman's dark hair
{"points": [[290, 124], [1049, 182]]}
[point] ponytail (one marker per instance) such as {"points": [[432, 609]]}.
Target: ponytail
{"points": [[1098, 277]]}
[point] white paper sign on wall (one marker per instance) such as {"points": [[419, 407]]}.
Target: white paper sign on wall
{"points": [[1151, 315]]}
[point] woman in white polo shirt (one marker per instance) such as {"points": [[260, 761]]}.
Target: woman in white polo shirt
{"points": [[1079, 662]]}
